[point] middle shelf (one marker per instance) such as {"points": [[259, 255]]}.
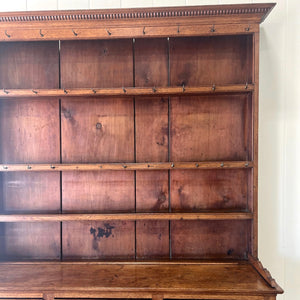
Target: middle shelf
{"points": [[127, 166], [126, 217]]}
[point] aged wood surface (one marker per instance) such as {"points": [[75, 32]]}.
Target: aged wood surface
{"points": [[126, 166], [224, 278], [127, 91], [125, 216]]}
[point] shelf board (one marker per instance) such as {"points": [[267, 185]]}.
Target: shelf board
{"points": [[126, 217], [126, 91], [126, 166], [135, 280]]}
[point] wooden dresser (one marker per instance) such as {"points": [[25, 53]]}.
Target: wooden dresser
{"points": [[129, 154]]}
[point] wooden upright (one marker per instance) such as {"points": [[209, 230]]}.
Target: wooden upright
{"points": [[129, 154]]}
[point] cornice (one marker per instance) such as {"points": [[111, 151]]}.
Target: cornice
{"points": [[139, 13]]}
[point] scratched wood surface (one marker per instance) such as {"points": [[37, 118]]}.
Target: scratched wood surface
{"points": [[210, 60], [32, 65], [30, 192]]}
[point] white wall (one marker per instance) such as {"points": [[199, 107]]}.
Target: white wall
{"points": [[279, 162]]}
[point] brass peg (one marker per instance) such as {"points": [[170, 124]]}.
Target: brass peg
{"points": [[108, 32], [222, 165], [41, 34], [65, 91], [29, 167], [124, 166], [5, 167], [246, 86], [183, 88], [74, 32], [246, 164], [247, 28], [35, 92], [172, 165], [52, 167], [178, 31], [5, 91], [124, 90], [8, 35], [144, 32], [197, 165], [212, 29], [148, 166], [94, 91], [213, 87], [154, 90]]}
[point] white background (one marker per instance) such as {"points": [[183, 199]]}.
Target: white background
{"points": [[279, 127]]}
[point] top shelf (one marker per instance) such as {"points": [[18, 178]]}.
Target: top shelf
{"points": [[127, 91]]}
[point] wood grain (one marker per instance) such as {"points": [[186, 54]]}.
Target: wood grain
{"points": [[195, 190], [96, 64], [98, 240], [210, 60], [29, 131], [28, 65], [214, 239], [208, 128], [92, 192], [30, 192], [97, 131], [30, 241]]}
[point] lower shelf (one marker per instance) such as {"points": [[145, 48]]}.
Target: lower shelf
{"points": [[163, 280]]}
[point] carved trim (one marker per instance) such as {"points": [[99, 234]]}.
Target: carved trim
{"points": [[146, 13], [257, 265]]}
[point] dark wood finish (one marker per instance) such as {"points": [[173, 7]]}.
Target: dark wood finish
{"points": [[141, 129]]}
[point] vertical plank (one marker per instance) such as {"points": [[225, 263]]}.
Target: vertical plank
{"points": [[151, 122], [207, 60], [29, 65], [208, 128], [196, 190], [97, 130], [98, 240], [25, 241], [151, 118], [151, 62], [210, 239], [255, 68], [30, 192], [98, 192], [101, 63]]}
